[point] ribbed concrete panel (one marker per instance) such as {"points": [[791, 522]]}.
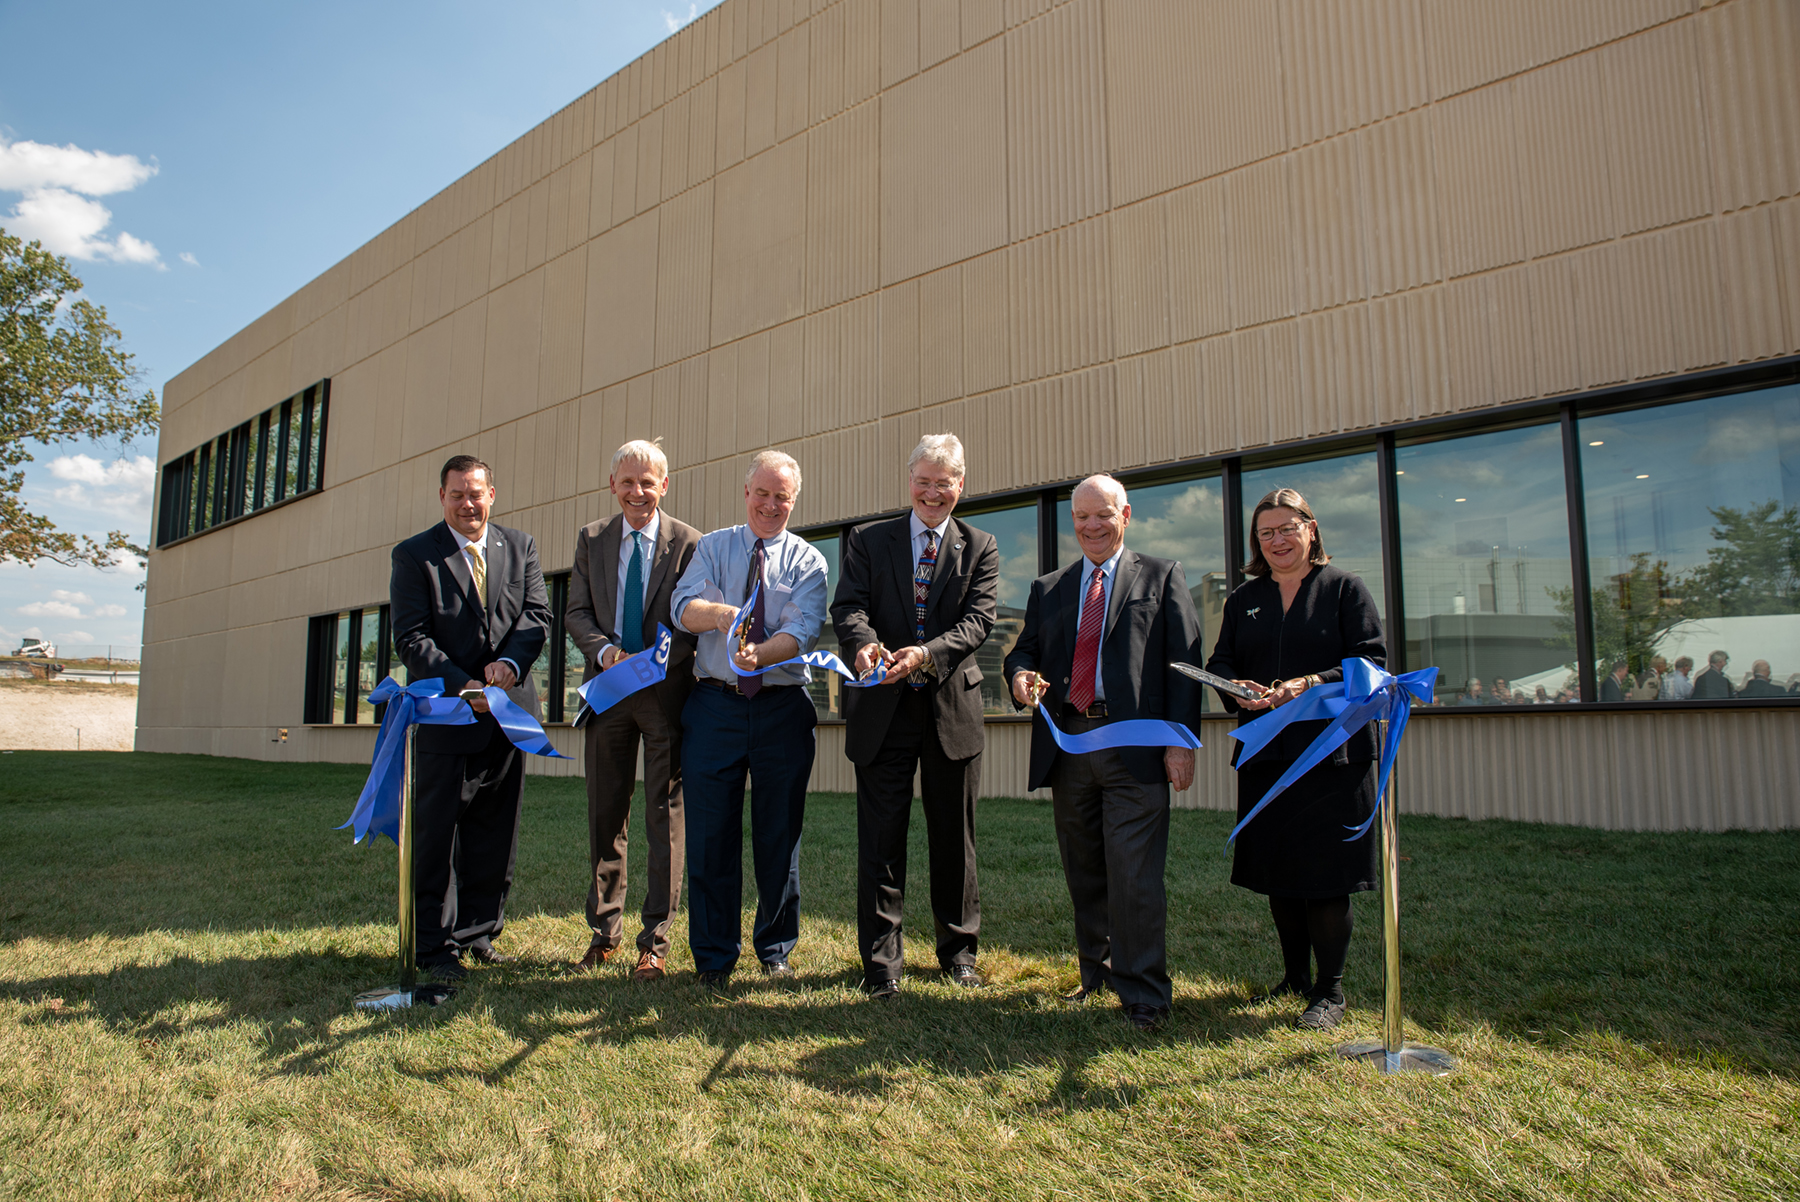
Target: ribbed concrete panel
{"points": [[846, 56], [792, 84], [943, 165], [843, 356], [1786, 218], [1400, 190], [1184, 103], [578, 214], [1140, 276], [1336, 386], [1056, 127], [1020, 11], [1206, 413], [940, 336], [621, 304], [1328, 215], [600, 189], [981, 20], [1199, 267], [1655, 128], [940, 31], [684, 275], [722, 401], [556, 232], [1472, 44], [1648, 330], [987, 323], [729, 127], [760, 89], [753, 393], [649, 160], [843, 197], [676, 125], [1407, 355], [1748, 49], [625, 177], [1474, 148], [703, 132], [514, 339], [1553, 304], [1466, 328], [1696, 314], [1754, 324], [899, 40], [1265, 373], [1061, 313], [564, 327], [1510, 333], [1351, 62], [899, 374], [1600, 319], [787, 382], [1260, 237], [1564, 187], [759, 243]]}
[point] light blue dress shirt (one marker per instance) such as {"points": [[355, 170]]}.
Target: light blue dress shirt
{"points": [[1111, 570], [793, 589]]}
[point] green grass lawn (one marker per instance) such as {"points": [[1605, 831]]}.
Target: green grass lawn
{"points": [[180, 938]]}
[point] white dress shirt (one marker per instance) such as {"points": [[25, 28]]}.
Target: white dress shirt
{"points": [[648, 536]]}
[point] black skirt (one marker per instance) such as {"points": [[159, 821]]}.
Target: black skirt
{"points": [[1295, 847]]}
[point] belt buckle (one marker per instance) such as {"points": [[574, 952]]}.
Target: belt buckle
{"points": [[1094, 711]]}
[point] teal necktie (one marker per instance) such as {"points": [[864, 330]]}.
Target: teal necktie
{"points": [[631, 633]]}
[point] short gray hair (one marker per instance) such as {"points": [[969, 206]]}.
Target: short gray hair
{"points": [[945, 450], [779, 461], [640, 451], [1106, 486]]}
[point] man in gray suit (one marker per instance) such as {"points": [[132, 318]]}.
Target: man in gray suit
{"points": [[625, 572], [1098, 640]]}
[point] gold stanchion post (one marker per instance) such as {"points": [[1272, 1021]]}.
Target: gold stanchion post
{"points": [[409, 991]]}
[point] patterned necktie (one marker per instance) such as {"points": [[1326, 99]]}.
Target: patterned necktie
{"points": [[1087, 642], [752, 685], [922, 593], [478, 569], [631, 627]]}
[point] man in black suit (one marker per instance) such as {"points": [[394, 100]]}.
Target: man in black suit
{"points": [[927, 584], [1098, 640], [468, 606], [619, 592], [1712, 684]]}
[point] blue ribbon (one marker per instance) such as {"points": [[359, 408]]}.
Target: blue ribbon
{"points": [[1366, 694], [634, 672], [810, 659], [1132, 732], [422, 703]]}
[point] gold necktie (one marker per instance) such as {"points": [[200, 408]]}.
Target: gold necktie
{"points": [[478, 566]]}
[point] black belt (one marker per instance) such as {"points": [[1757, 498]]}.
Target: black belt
{"points": [[1095, 711], [723, 687]]}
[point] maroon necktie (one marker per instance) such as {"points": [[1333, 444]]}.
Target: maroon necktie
{"points": [[758, 631], [1087, 642]]}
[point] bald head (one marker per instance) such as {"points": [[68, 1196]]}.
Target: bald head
{"points": [[1099, 512]]}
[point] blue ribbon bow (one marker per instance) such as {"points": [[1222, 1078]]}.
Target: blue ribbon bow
{"points": [[422, 703], [1366, 694], [1132, 732]]}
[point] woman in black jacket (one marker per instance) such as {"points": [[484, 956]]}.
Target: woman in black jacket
{"points": [[1285, 630]]}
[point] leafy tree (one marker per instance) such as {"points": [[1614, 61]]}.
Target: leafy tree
{"points": [[63, 376], [1632, 612], [1752, 568]]}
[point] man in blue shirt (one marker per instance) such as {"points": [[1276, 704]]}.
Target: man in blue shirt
{"points": [[737, 724]]}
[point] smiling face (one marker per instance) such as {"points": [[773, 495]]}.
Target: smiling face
{"points": [[935, 491], [639, 488], [1286, 539], [1099, 522], [769, 499], [467, 498]]}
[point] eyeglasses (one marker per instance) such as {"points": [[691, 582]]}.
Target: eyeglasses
{"points": [[1290, 531]]}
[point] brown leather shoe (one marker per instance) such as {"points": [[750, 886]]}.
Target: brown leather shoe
{"points": [[597, 954], [649, 967]]}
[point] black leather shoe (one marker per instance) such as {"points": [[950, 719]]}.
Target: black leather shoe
{"points": [[716, 982], [481, 953], [445, 972], [883, 991], [777, 968], [1081, 995], [965, 975], [1146, 1018], [1321, 1014], [1281, 989]]}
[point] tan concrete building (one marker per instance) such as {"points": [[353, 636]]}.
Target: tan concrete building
{"points": [[1511, 289]]}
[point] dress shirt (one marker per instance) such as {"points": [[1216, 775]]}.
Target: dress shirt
{"points": [[480, 542], [793, 591], [648, 536], [919, 531], [1675, 687], [1110, 572]]}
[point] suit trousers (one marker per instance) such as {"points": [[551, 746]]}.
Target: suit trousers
{"points": [[612, 754], [769, 739], [465, 842], [1113, 832], [884, 796]]}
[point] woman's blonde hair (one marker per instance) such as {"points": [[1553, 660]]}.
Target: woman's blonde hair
{"points": [[1282, 498]]}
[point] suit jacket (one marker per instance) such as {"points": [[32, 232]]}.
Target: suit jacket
{"points": [[1150, 623], [592, 614], [441, 629], [875, 603]]}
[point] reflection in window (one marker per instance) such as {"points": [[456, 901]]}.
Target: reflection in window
{"points": [[1016, 529], [340, 669], [1484, 540], [825, 687], [1693, 524], [574, 666], [1184, 521], [276, 455], [294, 443], [1344, 499], [368, 663]]}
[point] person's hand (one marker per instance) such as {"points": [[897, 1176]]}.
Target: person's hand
{"points": [[478, 704], [868, 656], [611, 654], [903, 661], [500, 675], [1260, 702], [745, 658], [1286, 690], [1028, 688], [1178, 762]]}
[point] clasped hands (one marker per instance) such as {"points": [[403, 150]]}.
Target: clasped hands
{"points": [[900, 664], [1271, 698], [499, 675], [1028, 689]]}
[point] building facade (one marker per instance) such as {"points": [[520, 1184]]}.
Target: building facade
{"points": [[1511, 291]]}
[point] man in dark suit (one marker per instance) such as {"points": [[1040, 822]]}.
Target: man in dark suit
{"points": [[927, 584], [1098, 640], [625, 573], [468, 606], [1712, 684]]}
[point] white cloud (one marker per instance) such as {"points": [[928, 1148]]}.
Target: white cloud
{"points": [[189, 259], [109, 611], [49, 609], [122, 488], [58, 209], [77, 636], [675, 22], [30, 632], [63, 594]]}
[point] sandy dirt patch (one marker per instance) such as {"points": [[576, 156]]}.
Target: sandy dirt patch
{"points": [[35, 716]]}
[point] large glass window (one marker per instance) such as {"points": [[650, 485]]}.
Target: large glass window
{"points": [[1693, 525], [1183, 521], [1016, 529], [1484, 540], [276, 455], [340, 668], [1343, 495], [368, 662], [825, 688]]}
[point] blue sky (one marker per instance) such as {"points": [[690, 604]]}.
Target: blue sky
{"points": [[198, 162]]}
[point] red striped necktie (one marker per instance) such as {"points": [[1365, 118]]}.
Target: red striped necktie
{"points": [[1087, 642]]}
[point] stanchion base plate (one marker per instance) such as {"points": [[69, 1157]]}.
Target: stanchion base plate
{"points": [[395, 998], [1411, 1058]]}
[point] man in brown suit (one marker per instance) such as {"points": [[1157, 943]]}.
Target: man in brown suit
{"points": [[625, 572]]}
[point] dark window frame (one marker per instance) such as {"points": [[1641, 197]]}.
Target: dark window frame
{"points": [[216, 484]]}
